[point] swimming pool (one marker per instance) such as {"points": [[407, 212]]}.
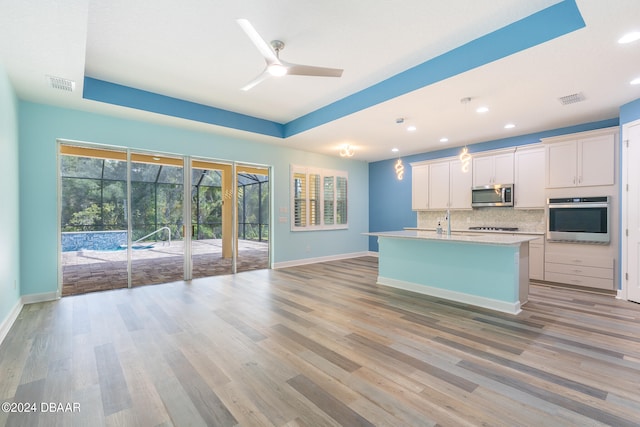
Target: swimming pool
{"points": [[115, 240]]}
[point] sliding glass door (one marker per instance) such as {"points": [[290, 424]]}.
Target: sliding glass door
{"points": [[157, 232], [125, 223], [211, 219], [253, 217], [93, 219]]}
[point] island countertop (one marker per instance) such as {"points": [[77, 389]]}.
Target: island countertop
{"points": [[457, 237]]}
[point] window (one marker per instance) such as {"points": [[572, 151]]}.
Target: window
{"points": [[318, 199]]}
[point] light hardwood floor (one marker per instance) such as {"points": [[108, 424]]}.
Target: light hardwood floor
{"points": [[321, 345]]}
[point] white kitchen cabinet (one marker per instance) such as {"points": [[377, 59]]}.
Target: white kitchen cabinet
{"points": [[583, 162], [580, 270], [449, 187], [419, 187], [529, 181], [459, 186], [536, 259], [439, 185], [493, 169]]}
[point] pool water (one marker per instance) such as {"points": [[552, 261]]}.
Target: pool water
{"points": [[98, 241]]}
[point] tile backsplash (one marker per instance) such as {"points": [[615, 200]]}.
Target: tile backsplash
{"points": [[532, 220]]}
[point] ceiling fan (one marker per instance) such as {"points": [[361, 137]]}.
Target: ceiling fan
{"points": [[275, 66]]}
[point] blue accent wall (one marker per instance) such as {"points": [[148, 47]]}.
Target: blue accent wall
{"points": [[630, 112], [42, 125], [390, 199], [100, 90], [9, 212]]}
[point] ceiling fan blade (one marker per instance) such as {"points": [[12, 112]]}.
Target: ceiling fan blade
{"points": [[264, 47], [263, 76], [309, 70]]}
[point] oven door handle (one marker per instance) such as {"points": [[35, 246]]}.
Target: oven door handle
{"points": [[578, 205]]}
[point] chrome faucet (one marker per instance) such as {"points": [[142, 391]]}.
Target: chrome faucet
{"points": [[448, 222]]}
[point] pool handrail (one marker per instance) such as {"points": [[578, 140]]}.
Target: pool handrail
{"points": [[151, 234]]}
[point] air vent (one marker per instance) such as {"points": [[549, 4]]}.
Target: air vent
{"points": [[572, 99], [61, 83]]}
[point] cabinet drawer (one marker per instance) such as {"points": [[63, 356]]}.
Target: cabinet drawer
{"points": [[579, 270], [591, 282], [577, 260]]}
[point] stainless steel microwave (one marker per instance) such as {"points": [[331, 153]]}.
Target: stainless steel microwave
{"points": [[579, 219], [492, 195]]}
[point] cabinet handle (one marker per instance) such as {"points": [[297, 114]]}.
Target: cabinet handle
{"points": [[580, 180], [574, 179], [577, 271]]}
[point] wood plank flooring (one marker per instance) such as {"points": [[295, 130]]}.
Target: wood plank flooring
{"points": [[321, 345]]}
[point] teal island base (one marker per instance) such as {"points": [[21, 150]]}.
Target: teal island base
{"points": [[485, 271]]}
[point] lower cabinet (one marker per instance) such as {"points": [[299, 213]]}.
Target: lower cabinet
{"points": [[579, 270], [536, 259]]}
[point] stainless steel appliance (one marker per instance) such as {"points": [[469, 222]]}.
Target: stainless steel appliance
{"points": [[579, 219], [492, 195]]}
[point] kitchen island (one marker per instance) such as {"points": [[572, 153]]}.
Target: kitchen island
{"points": [[490, 271]]}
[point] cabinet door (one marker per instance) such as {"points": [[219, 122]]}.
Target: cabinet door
{"points": [[596, 161], [483, 171], [439, 185], [503, 168], [529, 178], [459, 186], [420, 187], [536, 260], [561, 164]]}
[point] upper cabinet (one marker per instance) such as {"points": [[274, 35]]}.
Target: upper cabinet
{"points": [[449, 187], [581, 160], [419, 186], [529, 177], [493, 169]]}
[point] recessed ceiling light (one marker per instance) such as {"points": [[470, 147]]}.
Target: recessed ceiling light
{"points": [[444, 139], [509, 126], [482, 110], [629, 37], [395, 150], [411, 128], [635, 81]]}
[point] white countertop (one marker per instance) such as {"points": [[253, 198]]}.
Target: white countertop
{"points": [[466, 230], [458, 237]]}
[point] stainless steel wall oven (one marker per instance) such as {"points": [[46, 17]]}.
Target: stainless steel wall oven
{"points": [[579, 219]]}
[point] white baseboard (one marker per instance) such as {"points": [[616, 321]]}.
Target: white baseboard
{"points": [[316, 260], [7, 323], [502, 306], [35, 298]]}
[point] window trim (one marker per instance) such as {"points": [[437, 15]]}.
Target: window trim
{"points": [[320, 211]]}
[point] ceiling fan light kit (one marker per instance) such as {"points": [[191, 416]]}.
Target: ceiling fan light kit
{"points": [[275, 66]]}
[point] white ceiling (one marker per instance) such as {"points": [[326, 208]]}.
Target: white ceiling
{"points": [[194, 50]]}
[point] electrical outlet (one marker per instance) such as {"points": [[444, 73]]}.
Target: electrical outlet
{"points": [[15, 284]]}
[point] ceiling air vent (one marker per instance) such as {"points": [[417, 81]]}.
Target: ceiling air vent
{"points": [[571, 99], [61, 83]]}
